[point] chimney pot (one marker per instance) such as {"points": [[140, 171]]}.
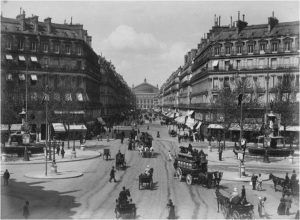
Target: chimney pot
{"points": [[238, 15]]}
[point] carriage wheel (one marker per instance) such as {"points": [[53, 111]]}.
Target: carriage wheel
{"points": [[179, 174], [189, 179], [235, 215], [251, 214]]}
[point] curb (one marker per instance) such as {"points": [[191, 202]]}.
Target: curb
{"points": [[42, 162], [70, 174]]}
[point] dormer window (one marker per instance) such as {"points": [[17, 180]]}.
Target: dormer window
{"points": [[21, 45], [45, 47], [56, 48], [274, 47], [287, 46], [33, 46], [8, 44], [262, 47], [79, 50], [250, 48], [68, 49], [239, 49], [228, 50], [217, 50]]}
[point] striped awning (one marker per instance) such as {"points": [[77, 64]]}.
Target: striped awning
{"points": [[59, 127], [15, 127], [79, 127], [215, 126], [180, 119], [290, 128], [4, 127], [190, 122]]}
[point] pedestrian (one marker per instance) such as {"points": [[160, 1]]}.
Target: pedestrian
{"points": [[98, 137], [26, 210], [112, 174], [259, 183], [107, 137], [171, 208], [253, 180], [57, 149], [62, 152], [178, 138], [170, 156], [281, 207], [6, 176], [261, 206], [243, 194], [287, 181], [288, 203], [220, 152]]}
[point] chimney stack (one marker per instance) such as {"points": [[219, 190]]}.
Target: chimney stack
{"points": [[21, 19], [243, 17], [231, 21], [48, 24], [219, 21], [35, 21], [238, 15], [272, 22]]}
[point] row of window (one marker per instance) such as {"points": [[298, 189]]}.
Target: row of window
{"points": [[57, 48], [145, 101], [58, 97], [250, 48]]}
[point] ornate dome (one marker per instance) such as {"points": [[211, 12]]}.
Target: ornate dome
{"points": [[145, 88]]}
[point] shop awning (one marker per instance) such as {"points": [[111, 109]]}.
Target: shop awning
{"points": [[9, 76], [21, 58], [170, 115], [79, 127], [199, 125], [33, 77], [4, 127], [290, 128], [176, 114], [21, 76], [79, 96], [101, 121], [190, 122], [15, 127], [246, 127], [190, 112], [215, 126], [58, 127], [180, 119], [8, 57], [215, 63], [33, 59]]}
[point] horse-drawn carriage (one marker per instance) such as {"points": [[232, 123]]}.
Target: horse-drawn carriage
{"points": [[191, 165], [146, 139], [120, 161], [125, 208], [241, 210], [106, 154], [146, 179], [291, 185], [172, 133]]}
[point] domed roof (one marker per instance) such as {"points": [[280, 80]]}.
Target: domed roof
{"points": [[145, 88]]}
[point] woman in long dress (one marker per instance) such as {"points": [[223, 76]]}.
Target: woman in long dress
{"points": [[281, 207]]}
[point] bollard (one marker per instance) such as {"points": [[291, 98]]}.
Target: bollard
{"points": [[243, 170], [82, 147], [53, 168]]}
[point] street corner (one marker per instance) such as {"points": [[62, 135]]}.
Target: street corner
{"points": [[235, 176], [53, 175]]}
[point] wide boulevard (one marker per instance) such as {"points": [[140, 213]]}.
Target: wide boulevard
{"points": [[92, 196]]}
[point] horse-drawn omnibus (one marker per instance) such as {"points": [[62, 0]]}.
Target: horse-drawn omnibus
{"points": [[192, 166]]}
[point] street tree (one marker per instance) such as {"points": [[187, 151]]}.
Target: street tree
{"points": [[284, 102]]}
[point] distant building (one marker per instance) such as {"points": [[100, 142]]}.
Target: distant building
{"points": [[146, 95]]}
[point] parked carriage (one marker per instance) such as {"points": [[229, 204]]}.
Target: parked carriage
{"points": [[292, 186], [146, 179], [125, 210], [106, 154], [146, 139], [193, 168], [120, 161], [234, 211]]}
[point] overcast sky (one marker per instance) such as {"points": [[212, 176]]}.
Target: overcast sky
{"points": [[149, 39]]}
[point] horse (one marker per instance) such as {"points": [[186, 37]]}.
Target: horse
{"points": [[278, 181]]}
